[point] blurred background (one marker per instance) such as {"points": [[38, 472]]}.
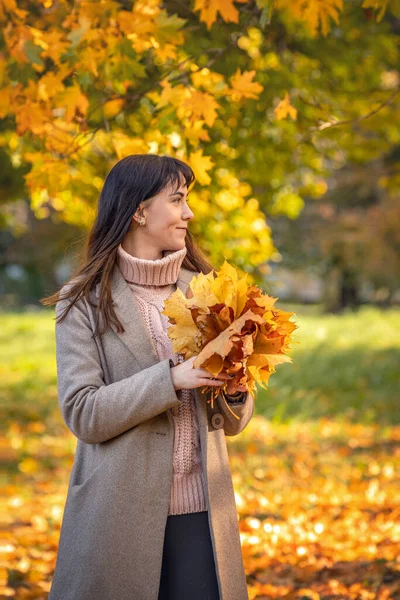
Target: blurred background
{"points": [[289, 114]]}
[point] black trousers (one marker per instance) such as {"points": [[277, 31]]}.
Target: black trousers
{"points": [[188, 568]]}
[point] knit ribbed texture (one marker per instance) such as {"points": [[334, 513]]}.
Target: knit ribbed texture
{"points": [[152, 282], [152, 273]]}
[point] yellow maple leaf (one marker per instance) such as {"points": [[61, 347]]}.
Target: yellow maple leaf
{"points": [[195, 132], [73, 100], [5, 102], [48, 86], [125, 145], [230, 327], [380, 5], [318, 13], [199, 105], [54, 44], [200, 165], [209, 80], [209, 9], [185, 336], [171, 95], [242, 86], [313, 13], [113, 107], [11, 7], [31, 116], [284, 108], [58, 137], [165, 51], [138, 25]]}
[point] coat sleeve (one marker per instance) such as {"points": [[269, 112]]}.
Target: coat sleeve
{"points": [[237, 398], [93, 411], [244, 409]]}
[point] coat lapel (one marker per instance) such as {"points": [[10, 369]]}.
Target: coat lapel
{"points": [[136, 336]]}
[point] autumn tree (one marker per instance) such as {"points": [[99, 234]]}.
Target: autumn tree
{"points": [[264, 99]]}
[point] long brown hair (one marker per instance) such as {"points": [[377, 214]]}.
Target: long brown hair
{"points": [[131, 181]]}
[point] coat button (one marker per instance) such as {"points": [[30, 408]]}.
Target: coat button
{"points": [[217, 421]]}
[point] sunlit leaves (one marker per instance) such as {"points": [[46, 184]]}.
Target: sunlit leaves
{"points": [[317, 505], [216, 82], [209, 10], [317, 498], [201, 164], [73, 102], [315, 14], [381, 7], [234, 328], [243, 86], [198, 106], [285, 109]]}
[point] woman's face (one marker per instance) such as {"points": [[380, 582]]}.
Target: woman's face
{"points": [[167, 217]]}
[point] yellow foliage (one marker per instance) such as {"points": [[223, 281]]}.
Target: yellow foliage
{"points": [[171, 95], [112, 108], [210, 81], [195, 132], [287, 201], [231, 327], [11, 6], [54, 43], [380, 5], [170, 102], [125, 145], [314, 13], [5, 102], [209, 9], [242, 86], [201, 164], [284, 108], [31, 117], [72, 100], [48, 86], [198, 105], [58, 138], [229, 199]]}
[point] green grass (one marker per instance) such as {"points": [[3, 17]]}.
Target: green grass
{"points": [[344, 366], [28, 378]]}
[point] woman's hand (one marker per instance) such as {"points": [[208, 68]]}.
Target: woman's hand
{"points": [[185, 376], [242, 388]]}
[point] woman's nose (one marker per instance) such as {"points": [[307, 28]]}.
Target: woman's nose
{"points": [[188, 214]]}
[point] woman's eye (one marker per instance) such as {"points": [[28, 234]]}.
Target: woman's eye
{"points": [[179, 199]]}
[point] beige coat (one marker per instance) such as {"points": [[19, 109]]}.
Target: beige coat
{"points": [[114, 394]]}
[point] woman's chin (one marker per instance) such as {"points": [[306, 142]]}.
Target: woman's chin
{"points": [[175, 247]]}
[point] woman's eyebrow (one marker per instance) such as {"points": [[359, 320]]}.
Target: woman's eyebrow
{"points": [[177, 194]]}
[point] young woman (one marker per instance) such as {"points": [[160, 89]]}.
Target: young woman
{"points": [[150, 512]]}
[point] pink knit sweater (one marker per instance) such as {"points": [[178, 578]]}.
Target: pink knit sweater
{"points": [[151, 282]]}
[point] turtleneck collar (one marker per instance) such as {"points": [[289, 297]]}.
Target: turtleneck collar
{"points": [[162, 271]]}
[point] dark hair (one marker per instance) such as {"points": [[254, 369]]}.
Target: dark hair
{"points": [[131, 181]]}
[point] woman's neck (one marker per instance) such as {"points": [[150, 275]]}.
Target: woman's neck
{"points": [[161, 271]]}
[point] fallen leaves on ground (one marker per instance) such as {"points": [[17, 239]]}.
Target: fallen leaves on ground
{"points": [[318, 507]]}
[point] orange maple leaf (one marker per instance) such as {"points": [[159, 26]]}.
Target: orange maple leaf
{"points": [[230, 327]]}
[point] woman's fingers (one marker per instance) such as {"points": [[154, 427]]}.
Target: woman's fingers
{"points": [[242, 388]]}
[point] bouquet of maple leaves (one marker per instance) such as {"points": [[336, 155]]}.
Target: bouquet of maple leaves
{"points": [[231, 327]]}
